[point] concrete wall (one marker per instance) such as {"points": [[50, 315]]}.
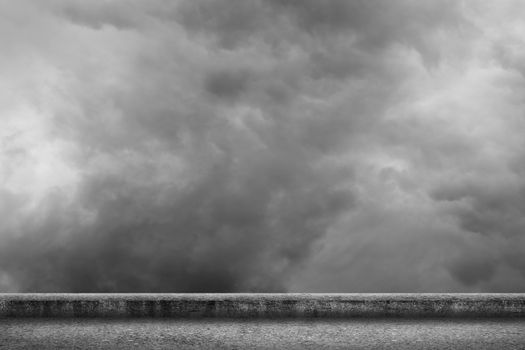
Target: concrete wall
{"points": [[262, 305]]}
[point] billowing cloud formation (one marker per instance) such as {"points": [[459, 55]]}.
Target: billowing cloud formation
{"points": [[262, 145]]}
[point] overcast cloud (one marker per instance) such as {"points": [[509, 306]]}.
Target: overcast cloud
{"points": [[262, 145]]}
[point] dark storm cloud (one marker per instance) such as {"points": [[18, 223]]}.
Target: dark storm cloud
{"points": [[230, 230], [260, 145], [232, 21], [206, 238], [227, 84], [372, 25], [176, 191], [488, 211], [493, 210]]}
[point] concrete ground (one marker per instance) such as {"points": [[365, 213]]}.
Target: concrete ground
{"points": [[495, 334]]}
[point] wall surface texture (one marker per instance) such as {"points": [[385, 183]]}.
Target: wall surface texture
{"points": [[262, 305]]}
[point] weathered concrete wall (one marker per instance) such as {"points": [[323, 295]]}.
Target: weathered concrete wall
{"points": [[262, 305]]}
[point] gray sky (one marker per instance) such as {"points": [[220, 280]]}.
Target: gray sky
{"points": [[262, 145]]}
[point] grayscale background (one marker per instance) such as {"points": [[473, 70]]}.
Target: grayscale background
{"points": [[262, 146]]}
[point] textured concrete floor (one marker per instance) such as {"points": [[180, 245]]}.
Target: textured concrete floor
{"points": [[261, 334]]}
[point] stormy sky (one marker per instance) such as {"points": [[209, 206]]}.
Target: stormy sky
{"points": [[262, 146]]}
